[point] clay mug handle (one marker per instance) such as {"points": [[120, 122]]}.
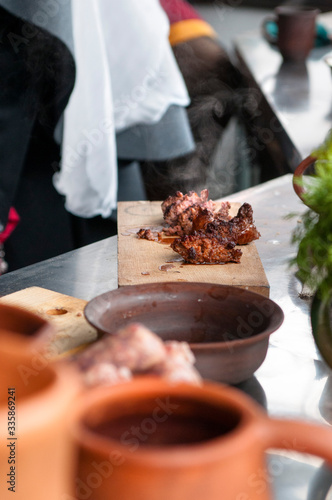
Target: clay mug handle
{"points": [[298, 175], [303, 437], [265, 33]]}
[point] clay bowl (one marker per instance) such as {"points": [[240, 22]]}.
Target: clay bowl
{"points": [[227, 328], [19, 327]]}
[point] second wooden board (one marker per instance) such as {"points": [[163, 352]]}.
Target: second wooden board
{"points": [[65, 313], [143, 261]]}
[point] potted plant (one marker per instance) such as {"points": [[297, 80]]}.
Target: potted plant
{"points": [[314, 239]]}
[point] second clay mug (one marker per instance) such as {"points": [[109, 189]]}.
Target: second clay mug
{"points": [[296, 31], [36, 451], [20, 327], [154, 440]]}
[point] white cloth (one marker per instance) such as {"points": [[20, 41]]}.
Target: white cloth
{"points": [[126, 75]]}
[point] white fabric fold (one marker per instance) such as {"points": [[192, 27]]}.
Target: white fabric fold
{"points": [[126, 75]]}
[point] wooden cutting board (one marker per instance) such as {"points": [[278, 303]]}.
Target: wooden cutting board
{"points": [[65, 313], [143, 261]]}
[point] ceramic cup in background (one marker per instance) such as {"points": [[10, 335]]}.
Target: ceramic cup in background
{"points": [[36, 452], [153, 440], [296, 31]]}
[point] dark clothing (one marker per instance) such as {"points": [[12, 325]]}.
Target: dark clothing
{"points": [[37, 77]]}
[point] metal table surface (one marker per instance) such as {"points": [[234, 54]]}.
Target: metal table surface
{"points": [[293, 381], [293, 105], [292, 113]]}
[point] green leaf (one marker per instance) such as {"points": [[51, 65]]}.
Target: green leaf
{"points": [[313, 235], [324, 151]]}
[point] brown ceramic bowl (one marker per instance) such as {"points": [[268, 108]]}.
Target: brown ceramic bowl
{"points": [[23, 328], [227, 328]]}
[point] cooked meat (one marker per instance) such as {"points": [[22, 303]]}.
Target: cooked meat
{"points": [[186, 220], [180, 198], [199, 248], [205, 236], [178, 364], [201, 220], [134, 346], [223, 212], [240, 229], [136, 350], [173, 206], [147, 234], [246, 228], [179, 352], [106, 374], [195, 218], [190, 213]]}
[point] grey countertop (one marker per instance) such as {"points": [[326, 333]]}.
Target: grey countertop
{"points": [[293, 103], [82, 273]]}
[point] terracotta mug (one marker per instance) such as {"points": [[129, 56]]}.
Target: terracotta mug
{"points": [[36, 452], [21, 327], [153, 440], [296, 31]]}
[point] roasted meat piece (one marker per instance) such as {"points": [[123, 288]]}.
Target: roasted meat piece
{"points": [[106, 374], [240, 229], [173, 206], [147, 234], [201, 220], [190, 213], [178, 364], [196, 217], [245, 226], [134, 347], [223, 212], [205, 236], [186, 219], [199, 248], [136, 350]]}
